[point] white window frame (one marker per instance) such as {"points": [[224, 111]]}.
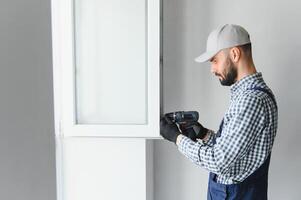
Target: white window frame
{"points": [[64, 80]]}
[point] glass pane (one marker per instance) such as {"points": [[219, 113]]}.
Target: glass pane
{"points": [[111, 61]]}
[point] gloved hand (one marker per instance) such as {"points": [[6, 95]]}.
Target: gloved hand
{"points": [[169, 130], [193, 130]]}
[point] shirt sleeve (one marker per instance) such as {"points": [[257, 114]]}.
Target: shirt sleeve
{"points": [[235, 141]]}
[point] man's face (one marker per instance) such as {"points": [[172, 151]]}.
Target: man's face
{"points": [[223, 67]]}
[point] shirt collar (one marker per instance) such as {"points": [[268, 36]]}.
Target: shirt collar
{"points": [[245, 82]]}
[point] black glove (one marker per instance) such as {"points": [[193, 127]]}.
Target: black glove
{"points": [[193, 130], [169, 130]]}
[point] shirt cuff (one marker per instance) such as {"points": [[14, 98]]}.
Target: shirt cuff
{"points": [[179, 138], [205, 140]]}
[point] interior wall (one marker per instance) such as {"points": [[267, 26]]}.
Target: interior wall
{"points": [[275, 30], [106, 168], [27, 148], [185, 28]]}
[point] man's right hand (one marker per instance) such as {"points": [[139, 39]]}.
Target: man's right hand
{"points": [[169, 130]]}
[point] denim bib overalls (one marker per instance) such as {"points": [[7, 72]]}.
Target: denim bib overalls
{"points": [[253, 187]]}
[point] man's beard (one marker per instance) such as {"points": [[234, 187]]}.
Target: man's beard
{"points": [[230, 76]]}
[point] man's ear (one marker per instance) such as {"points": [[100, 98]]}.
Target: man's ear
{"points": [[235, 54]]}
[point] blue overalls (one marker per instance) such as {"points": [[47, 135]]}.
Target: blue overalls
{"points": [[253, 187]]}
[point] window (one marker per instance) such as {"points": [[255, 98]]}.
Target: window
{"points": [[106, 58]]}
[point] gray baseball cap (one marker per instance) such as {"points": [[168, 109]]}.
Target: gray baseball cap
{"points": [[226, 36]]}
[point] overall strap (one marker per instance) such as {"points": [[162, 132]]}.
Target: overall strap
{"points": [[218, 134]]}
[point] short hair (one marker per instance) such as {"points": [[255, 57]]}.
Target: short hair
{"points": [[246, 48]]}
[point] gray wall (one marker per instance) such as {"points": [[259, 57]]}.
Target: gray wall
{"points": [[275, 30], [27, 149]]}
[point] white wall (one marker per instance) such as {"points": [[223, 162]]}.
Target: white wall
{"points": [[275, 30], [106, 168], [185, 28], [27, 150]]}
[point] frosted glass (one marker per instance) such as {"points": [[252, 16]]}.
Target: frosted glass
{"points": [[110, 61]]}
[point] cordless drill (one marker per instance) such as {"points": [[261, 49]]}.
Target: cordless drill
{"points": [[187, 121], [182, 117]]}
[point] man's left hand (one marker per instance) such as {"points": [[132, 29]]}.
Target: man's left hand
{"points": [[194, 130]]}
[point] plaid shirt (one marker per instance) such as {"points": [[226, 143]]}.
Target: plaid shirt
{"points": [[247, 135]]}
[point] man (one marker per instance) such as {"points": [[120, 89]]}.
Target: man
{"points": [[238, 154]]}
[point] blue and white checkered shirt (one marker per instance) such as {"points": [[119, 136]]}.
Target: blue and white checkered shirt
{"points": [[247, 135]]}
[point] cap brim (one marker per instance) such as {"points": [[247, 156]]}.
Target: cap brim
{"points": [[205, 57]]}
